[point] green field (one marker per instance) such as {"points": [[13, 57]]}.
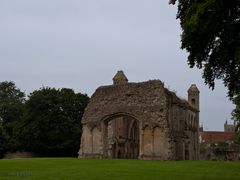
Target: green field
{"points": [[73, 168]]}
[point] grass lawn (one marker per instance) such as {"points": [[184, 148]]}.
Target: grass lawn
{"points": [[73, 168]]}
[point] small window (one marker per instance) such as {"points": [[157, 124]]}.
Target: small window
{"points": [[193, 101]]}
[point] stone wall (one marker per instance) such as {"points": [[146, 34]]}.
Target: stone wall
{"points": [[145, 100], [221, 151], [18, 154]]}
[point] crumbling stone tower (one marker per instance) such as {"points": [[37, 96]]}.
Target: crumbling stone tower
{"points": [[140, 121], [193, 96]]}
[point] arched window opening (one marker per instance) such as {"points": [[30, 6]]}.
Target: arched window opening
{"points": [[193, 101]]}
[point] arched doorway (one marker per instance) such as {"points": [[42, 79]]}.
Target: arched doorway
{"points": [[121, 137]]}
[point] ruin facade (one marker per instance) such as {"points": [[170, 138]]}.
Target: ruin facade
{"points": [[140, 121]]}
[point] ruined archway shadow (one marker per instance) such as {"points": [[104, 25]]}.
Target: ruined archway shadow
{"points": [[121, 136]]}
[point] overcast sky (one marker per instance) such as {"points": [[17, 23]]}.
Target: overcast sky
{"points": [[80, 44]]}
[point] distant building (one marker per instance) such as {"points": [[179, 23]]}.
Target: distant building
{"points": [[228, 135], [219, 145], [229, 127]]}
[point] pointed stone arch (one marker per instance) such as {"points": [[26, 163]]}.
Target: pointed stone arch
{"points": [[147, 142], [122, 142], [160, 143], [96, 141]]}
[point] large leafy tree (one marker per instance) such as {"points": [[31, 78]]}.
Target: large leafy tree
{"points": [[211, 36], [52, 123], [11, 111]]}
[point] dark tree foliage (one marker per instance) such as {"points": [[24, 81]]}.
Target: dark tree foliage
{"points": [[3, 141], [11, 111], [211, 36], [52, 123], [11, 102]]}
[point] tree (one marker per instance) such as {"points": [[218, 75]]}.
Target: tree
{"points": [[211, 36], [11, 110], [3, 140], [11, 102], [52, 122]]}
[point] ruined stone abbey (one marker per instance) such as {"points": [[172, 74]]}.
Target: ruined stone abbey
{"points": [[140, 121]]}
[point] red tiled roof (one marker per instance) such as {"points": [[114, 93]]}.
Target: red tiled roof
{"points": [[217, 136]]}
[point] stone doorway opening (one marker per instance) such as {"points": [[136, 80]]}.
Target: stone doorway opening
{"points": [[121, 137]]}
